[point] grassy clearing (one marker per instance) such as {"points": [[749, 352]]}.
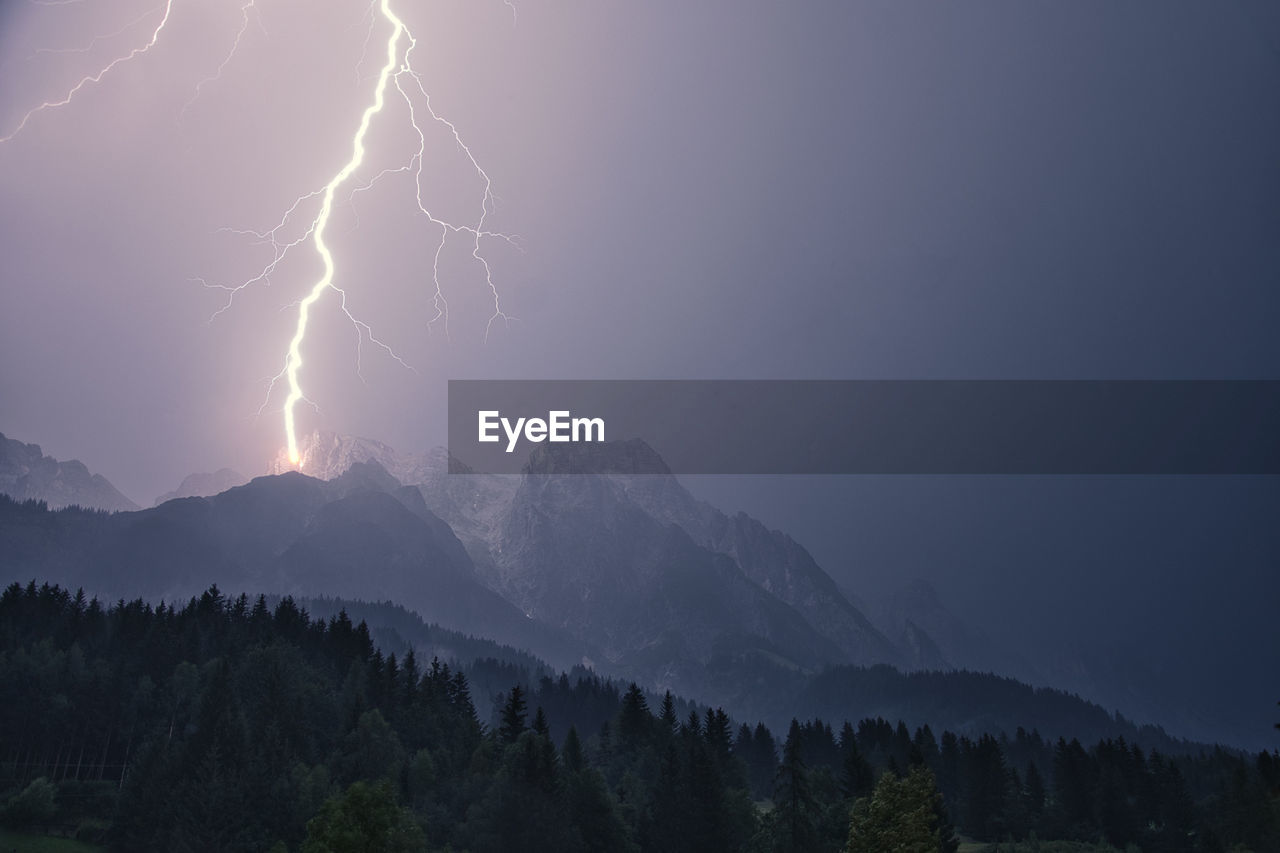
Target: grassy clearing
{"points": [[1036, 847], [15, 842]]}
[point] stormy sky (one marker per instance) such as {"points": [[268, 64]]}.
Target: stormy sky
{"points": [[704, 190]]}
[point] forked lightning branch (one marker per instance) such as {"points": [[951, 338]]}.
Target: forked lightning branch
{"points": [[295, 228]]}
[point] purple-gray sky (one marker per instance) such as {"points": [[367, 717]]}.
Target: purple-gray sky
{"points": [[712, 189]]}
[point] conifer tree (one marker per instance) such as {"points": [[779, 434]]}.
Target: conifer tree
{"points": [[513, 715], [667, 715], [856, 778], [540, 726], [795, 811]]}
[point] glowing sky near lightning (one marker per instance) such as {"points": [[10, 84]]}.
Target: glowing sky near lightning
{"points": [[700, 191], [397, 95]]}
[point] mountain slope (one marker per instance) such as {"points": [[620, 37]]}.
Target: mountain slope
{"points": [[204, 485], [640, 480], [27, 474], [916, 617], [576, 554], [360, 535], [641, 590], [327, 456]]}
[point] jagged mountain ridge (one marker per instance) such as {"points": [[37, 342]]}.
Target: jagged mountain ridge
{"points": [[276, 542], [491, 514], [772, 559], [360, 535], [27, 474], [364, 535], [204, 485], [910, 628], [327, 456], [912, 622], [915, 616], [575, 553]]}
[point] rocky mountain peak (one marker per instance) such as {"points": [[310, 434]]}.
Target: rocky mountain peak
{"points": [[26, 473], [328, 455]]}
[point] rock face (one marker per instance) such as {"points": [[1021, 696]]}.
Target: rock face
{"points": [[575, 553], [656, 580], [625, 568], [26, 473], [204, 485], [935, 638], [499, 517], [647, 578], [773, 560], [327, 456]]}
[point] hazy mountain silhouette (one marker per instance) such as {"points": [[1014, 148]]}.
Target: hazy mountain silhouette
{"points": [[773, 560], [26, 473], [624, 571], [361, 535], [915, 616], [575, 553], [499, 519], [204, 485]]}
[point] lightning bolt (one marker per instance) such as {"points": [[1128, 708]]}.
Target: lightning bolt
{"points": [[486, 202], [90, 79], [98, 38], [247, 8], [397, 68], [293, 361], [308, 218]]}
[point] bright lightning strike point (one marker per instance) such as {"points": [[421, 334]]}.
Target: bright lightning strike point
{"points": [[293, 362]]}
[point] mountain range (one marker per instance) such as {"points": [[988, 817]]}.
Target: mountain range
{"points": [[204, 484], [625, 572], [26, 473]]}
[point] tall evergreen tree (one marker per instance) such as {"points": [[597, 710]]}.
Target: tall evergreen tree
{"points": [[795, 811], [762, 762], [540, 725], [513, 715], [634, 719], [667, 714], [857, 779], [986, 793]]}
